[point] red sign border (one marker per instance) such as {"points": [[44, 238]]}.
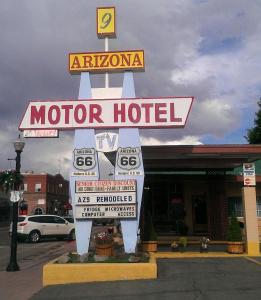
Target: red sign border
{"points": [[110, 127]]}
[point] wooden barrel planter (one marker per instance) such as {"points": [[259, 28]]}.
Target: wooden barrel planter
{"points": [[104, 249], [149, 246], [235, 247]]}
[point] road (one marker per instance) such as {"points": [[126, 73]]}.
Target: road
{"points": [[30, 257]]}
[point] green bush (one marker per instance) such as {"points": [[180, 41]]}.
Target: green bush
{"points": [[234, 230]]}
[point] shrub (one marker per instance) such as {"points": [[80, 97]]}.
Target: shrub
{"points": [[234, 231]]}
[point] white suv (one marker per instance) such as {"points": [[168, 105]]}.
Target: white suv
{"points": [[35, 227]]}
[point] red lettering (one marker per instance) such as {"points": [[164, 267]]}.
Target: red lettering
{"points": [[95, 113], [87, 61], [172, 114], [134, 113], [37, 115], [54, 114], [104, 60], [147, 107], [67, 109], [96, 58], [159, 111], [80, 113], [136, 61], [114, 60], [119, 112], [76, 63], [125, 59]]}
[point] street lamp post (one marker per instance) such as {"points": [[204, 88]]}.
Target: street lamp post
{"points": [[13, 266]]}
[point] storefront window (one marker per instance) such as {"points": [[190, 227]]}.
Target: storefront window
{"points": [[235, 206]]}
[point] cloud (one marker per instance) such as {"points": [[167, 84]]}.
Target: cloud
{"points": [[206, 49], [186, 140]]}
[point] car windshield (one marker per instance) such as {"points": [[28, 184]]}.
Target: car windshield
{"points": [[21, 219], [69, 219]]}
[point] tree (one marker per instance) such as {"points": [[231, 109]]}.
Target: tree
{"points": [[8, 179], [254, 134]]}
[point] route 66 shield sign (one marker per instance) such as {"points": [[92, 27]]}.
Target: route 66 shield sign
{"points": [[15, 196], [84, 159], [128, 158]]}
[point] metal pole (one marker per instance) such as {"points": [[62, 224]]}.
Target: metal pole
{"points": [[13, 266], [106, 45]]}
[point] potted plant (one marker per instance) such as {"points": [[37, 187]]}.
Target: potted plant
{"points": [[103, 243], [183, 242], [149, 236], [235, 244]]}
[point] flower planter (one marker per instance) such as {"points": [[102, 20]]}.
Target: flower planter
{"points": [[149, 246], [235, 247], [67, 273], [104, 249]]}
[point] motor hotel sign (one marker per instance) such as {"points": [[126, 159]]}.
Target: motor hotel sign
{"points": [[107, 113]]}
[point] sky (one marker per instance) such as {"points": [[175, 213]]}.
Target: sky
{"points": [[206, 49]]}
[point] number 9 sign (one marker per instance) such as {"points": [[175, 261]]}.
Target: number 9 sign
{"points": [[106, 22]]}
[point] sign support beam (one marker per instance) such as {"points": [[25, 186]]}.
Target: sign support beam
{"points": [[130, 138], [83, 138]]}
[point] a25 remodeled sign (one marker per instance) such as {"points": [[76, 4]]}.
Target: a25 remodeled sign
{"points": [[105, 199], [107, 113]]}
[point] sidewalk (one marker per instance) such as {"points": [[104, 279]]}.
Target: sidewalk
{"points": [[23, 284]]}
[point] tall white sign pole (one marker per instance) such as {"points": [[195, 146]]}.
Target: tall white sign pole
{"points": [[125, 167], [83, 139]]}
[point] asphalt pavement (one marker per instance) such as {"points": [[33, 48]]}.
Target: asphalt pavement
{"points": [[220, 278]]}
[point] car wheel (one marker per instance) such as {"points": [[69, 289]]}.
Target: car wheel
{"points": [[71, 235], [34, 236]]}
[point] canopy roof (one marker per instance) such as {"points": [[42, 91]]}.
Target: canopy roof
{"points": [[199, 157]]}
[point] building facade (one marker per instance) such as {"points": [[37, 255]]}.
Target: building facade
{"points": [[195, 189], [45, 193]]}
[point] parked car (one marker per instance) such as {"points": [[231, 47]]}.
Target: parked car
{"points": [[68, 218], [34, 228]]}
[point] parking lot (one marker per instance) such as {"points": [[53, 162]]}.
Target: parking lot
{"points": [[208, 278]]}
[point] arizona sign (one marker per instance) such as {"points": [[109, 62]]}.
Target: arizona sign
{"points": [[115, 61], [107, 113]]}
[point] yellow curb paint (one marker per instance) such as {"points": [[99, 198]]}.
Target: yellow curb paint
{"points": [[78, 273], [253, 248], [197, 255], [253, 260]]}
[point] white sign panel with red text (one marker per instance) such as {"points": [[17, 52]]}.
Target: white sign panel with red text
{"points": [[41, 133], [249, 174], [107, 113], [103, 192]]}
